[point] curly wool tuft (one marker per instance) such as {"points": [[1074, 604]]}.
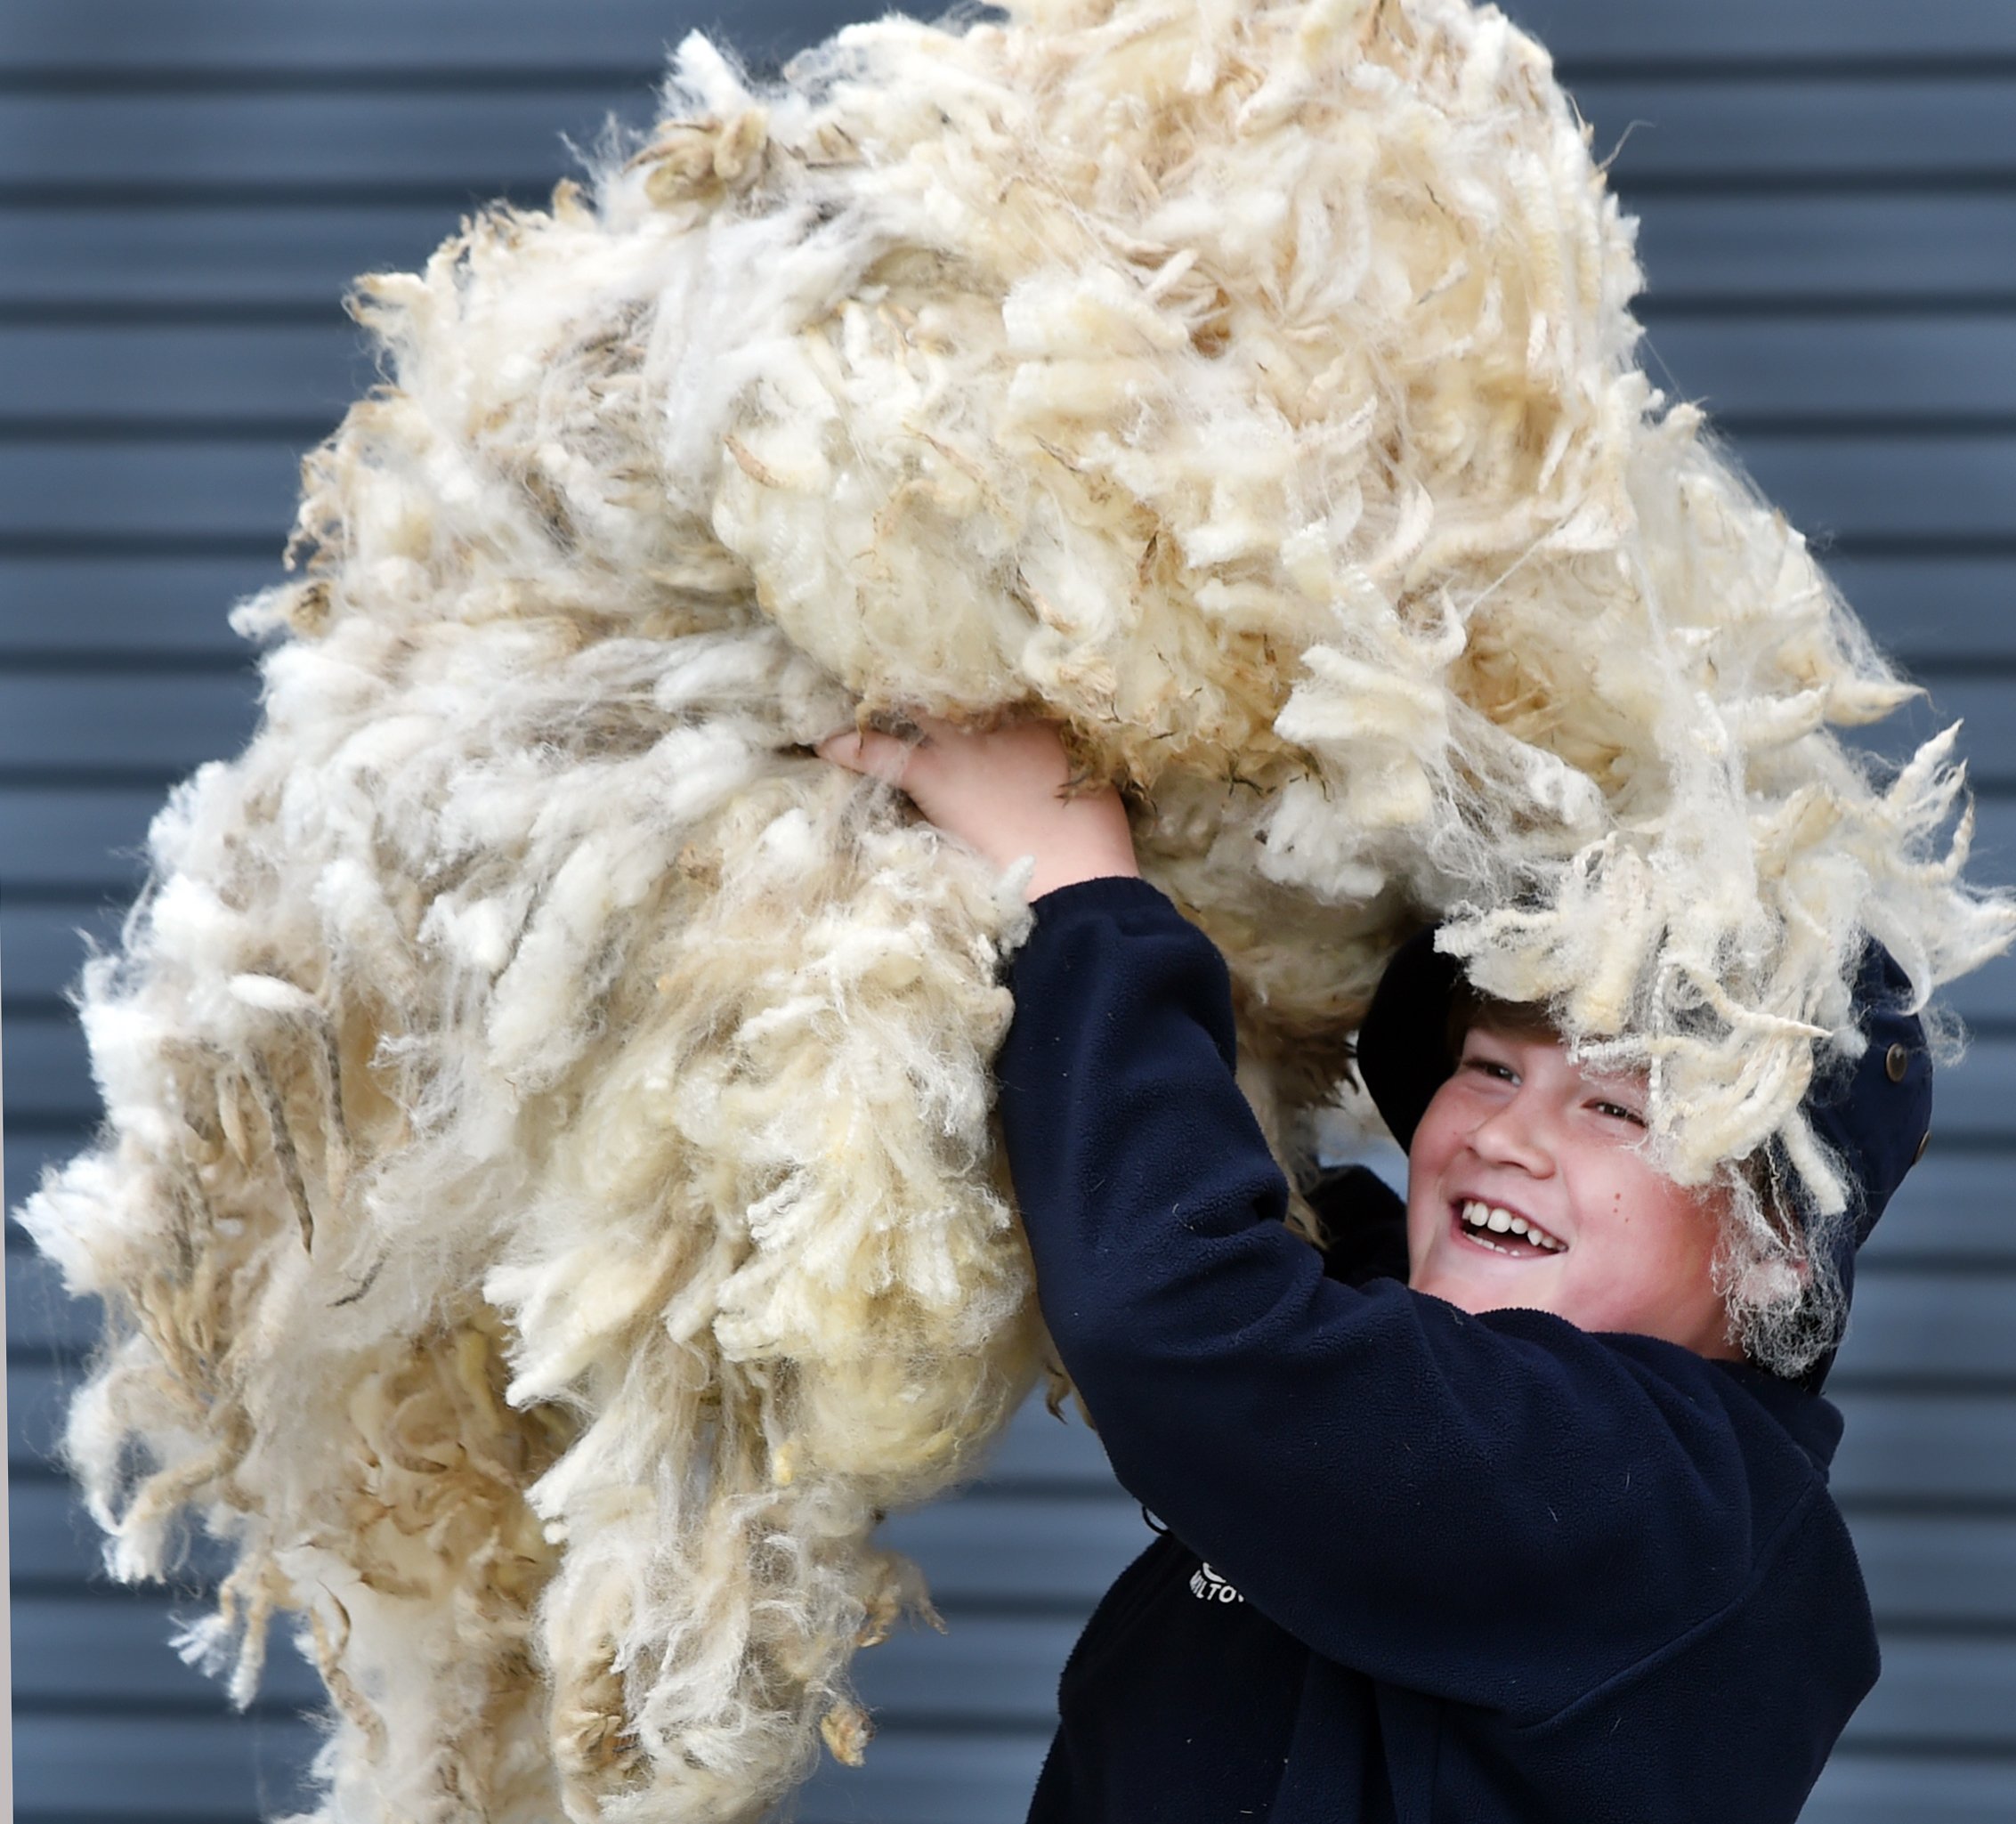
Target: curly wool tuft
{"points": [[548, 1210]]}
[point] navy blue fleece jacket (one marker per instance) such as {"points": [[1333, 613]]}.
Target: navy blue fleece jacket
{"points": [[1419, 1565]]}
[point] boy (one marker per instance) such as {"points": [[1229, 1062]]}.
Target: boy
{"points": [[1522, 1540]]}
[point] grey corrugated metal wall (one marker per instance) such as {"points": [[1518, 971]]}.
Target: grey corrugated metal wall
{"points": [[1829, 189]]}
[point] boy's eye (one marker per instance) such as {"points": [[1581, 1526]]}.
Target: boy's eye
{"points": [[1491, 1067], [1617, 1111]]}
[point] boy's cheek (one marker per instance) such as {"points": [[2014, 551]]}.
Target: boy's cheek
{"points": [[1421, 1227]]}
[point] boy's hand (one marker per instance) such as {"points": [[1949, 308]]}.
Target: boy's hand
{"points": [[1002, 791]]}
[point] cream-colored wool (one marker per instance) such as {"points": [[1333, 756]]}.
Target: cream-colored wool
{"points": [[548, 1209]]}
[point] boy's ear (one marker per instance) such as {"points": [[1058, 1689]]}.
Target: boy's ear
{"points": [[1765, 1280]]}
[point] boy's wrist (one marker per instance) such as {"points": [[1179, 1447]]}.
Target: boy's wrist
{"points": [[1053, 872]]}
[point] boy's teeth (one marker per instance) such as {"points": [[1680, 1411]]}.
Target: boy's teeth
{"points": [[1492, 1221]]}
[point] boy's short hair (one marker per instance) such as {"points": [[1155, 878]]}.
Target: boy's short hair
{"points": [[1469, 1006]]}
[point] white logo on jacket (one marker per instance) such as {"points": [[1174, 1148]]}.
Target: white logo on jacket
{"points": [[1208, 1587]]}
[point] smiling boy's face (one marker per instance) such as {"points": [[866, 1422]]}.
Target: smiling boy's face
{"points": [[1526, 1187]]}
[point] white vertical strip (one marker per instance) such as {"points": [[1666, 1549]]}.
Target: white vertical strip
{"points": [[6, 1568]]}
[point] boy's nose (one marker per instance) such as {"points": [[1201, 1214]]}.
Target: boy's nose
{"points": [[1515, 1134]]}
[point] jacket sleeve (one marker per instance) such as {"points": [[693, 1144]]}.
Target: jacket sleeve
{"points": [[1364, 1225], [1500, 1510]]}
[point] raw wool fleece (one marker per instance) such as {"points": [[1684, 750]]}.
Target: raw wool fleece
{"points": [[548, 1210]]}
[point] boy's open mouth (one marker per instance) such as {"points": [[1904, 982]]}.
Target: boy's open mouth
{"points": [[1503, 1231]]}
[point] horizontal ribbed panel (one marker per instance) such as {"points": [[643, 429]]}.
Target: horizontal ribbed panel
{"points": [[1827, 190], [481, 35]]}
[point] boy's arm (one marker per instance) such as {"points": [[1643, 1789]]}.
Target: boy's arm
{"points": [[1500, 1510]]}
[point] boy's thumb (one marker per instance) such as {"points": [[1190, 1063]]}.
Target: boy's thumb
{"points": [[882, 756]]}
